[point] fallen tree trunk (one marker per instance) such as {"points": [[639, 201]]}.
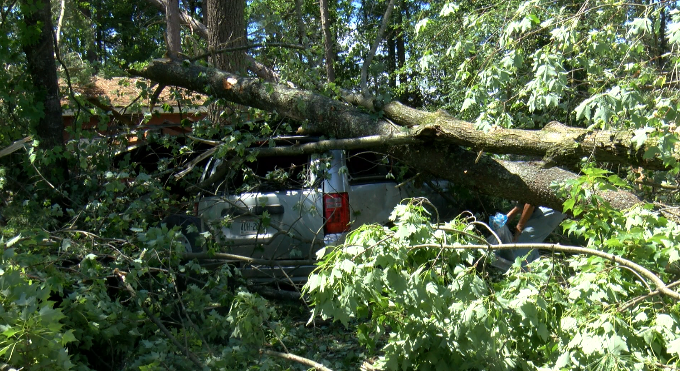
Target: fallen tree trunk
{"points": [[442, 134], [512, 180], [558, 144]]}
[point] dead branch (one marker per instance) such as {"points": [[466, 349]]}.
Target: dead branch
{"points": [[246, 259], [17, 145], [120, 117], [293, 357], [635, 301]]}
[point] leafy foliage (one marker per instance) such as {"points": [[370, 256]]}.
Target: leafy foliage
{"points": [[436, 303], [411, 294]]}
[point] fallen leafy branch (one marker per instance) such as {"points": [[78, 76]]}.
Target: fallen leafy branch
{"points": [[660, 285], [164, 330], [633, 302]]}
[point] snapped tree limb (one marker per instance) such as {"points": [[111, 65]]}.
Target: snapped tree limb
{"points": [[443, 136]]}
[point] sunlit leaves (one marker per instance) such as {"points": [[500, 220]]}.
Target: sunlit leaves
{"points": [[421, 24], [640, 26], [449, 8], [640, 136], [533, 319]]}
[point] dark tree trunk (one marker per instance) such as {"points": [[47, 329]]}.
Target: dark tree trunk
{"points": [[663, 42], [227, 25], [43, 70], [301, 29], [173, 28], [401, 46], [227, 28], [327, 41], [391, 60]]}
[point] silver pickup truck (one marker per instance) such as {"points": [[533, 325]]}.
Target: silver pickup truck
{"points": [[320, 199]]}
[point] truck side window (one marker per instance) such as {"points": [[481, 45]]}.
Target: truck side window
{"points": [[367, 167], [269, 174]]}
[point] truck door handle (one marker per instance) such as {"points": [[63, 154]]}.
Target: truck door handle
{"points": [[271, 209], [257, 210]]}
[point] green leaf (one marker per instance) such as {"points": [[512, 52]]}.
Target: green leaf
{"points": [[68, 337], [640, 136], [10, 332], [448, 9], [421, 24], [673, 347], [347, 266], [651, 152], [617, 345], [664, 320], [674, 33]]}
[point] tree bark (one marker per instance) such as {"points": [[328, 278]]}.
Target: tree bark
{"points": [[260, 70], [327, 41], [391, 60], [173, 28], [43, 70], [442, 134], [226, 22], [556, 143], [301, 29]]}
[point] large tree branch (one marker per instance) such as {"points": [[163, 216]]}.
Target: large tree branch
{"points": [[558, 144], [442, 154]]}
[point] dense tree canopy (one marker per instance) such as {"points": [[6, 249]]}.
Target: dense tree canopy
{"points": [[566, 104]]}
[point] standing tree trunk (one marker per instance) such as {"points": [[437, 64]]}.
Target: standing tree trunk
{"points": [[327, 41], [401, 46], [38, 43], [301, 30], [663, 42], [227, 28], [173, 28], [227, 25], [391, 60], [43, 70]]}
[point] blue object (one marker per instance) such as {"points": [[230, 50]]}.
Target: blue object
{"points": [[542, 222], [498, 221]]}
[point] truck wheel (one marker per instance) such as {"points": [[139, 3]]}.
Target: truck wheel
{"points": [[189, 239]]}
